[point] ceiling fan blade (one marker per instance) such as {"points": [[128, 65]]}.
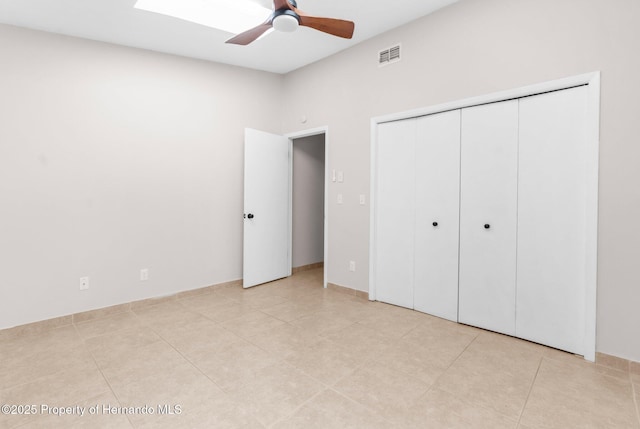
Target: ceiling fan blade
{"points": [[250, 35], [281, 4], [336, 27]]}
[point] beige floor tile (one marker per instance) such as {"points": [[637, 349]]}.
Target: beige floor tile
{"points": [[562, 356], [231, 292], [301, 291], [261, 296], [62, 389], [316, 358], [206, 302], [35, 328], [228, 312], [329, 409], [290, 311], [431, 325], [265, 301], [141, 363], [238, 293], [202, 334], [54, 340], [107, 325], [397, 311], [578, 395], [108, 349], [439, 409], [20, 370], [426, 361], [580, 375], [428, 350], [390, 393], [284, 340], [166, 315], [28, 357], [509, 347], [100, 313], [315, 275], [276, 392], [183, 385], [364, 341], [181, 390], [494, 371], [234, 365], [92, 416], [219, 412], [348, 307], [252, 324], [322, 322], [325, 361], [394, 325]]}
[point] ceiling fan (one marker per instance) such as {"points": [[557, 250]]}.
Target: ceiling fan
{"points": [[287, 17]]}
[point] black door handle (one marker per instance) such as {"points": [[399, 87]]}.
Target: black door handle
{"points": [[487, 226], [435, 223], [250, 216]]}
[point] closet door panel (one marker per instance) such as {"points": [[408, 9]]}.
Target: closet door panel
{"points": [[552, 219], [395, 208], [488, 216], [437, 159]]}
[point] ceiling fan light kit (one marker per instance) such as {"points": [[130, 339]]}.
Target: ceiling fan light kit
{"points": [[286, 21], [287, 17]]}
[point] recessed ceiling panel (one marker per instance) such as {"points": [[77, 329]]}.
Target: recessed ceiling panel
{"points": [[120, 22]]}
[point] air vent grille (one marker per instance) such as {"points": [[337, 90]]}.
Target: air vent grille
{"points": [[389, 55], [384, 56], [394, 53]]}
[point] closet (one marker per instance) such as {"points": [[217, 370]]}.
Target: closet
{"points": [[484, 215]]}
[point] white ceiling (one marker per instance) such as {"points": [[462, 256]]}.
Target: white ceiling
{"points": [[116, 21]]}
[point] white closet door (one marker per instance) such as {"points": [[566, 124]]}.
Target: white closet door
{"points": [[552, 219], [395, 208], [437, 159], [488, 216]]}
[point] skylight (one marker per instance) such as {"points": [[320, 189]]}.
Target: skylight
{"points": [[233, 16]]}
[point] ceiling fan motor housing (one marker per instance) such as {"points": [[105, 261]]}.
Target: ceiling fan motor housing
{"points": [[285, 20]]}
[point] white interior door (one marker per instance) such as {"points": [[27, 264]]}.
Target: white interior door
{"points": [[437, 159], [267, 210], [552, 195], [488, 216], [395, 208]]}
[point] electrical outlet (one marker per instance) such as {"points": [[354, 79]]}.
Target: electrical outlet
{"points": [[340, 176], [340, 199], [352, 266], [362, 199], [84, 283], [144, 274]]}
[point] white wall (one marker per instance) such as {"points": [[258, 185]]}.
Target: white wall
{"points": [[115, 159], [308, 200], [476, 47]]}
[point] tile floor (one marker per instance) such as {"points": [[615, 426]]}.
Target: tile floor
{"points": [[291, 354]]}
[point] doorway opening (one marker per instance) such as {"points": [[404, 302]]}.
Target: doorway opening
{"points": [[308, 203]]}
